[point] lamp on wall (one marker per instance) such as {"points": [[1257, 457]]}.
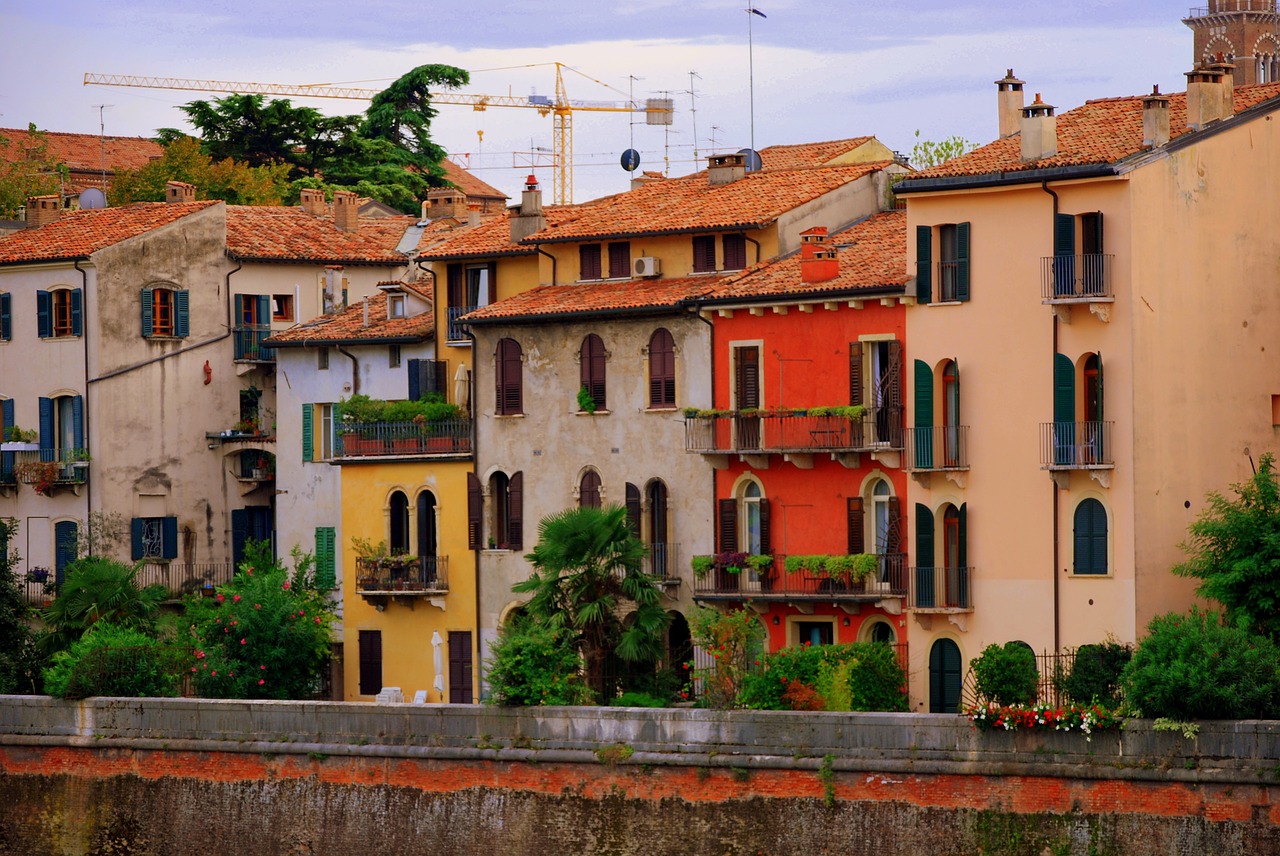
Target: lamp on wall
{"points": [[846, 621], [776, 621]]}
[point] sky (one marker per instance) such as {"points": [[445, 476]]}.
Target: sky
{"points": [[813, 69]]}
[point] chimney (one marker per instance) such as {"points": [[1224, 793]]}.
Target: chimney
{"points": [[366, 312], [43, 209], [818, 262], [447, 202], [313, 201], [1009, 99], [646, 177], [530, 219], [1228, 83], [724, 169], [473, 214], [1204, 96], [179, 191], [1039, 131], [1155, 118], [346, 211]]}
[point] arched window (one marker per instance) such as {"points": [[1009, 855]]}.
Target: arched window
{"points": [[61, 427], [591, 364], [752, 496], [59, 313], [427, 541], [1090, 538], [882, 632], [589, 490], [660, 556], [662, 369], [398, 519], [880, 496], [507, 370], [744, 520], [951, 414], [506, 511]]}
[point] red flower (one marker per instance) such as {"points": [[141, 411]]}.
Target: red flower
{"points": [[236, 598], [242, 641], [261, 681]]}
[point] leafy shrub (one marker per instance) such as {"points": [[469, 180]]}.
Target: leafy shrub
{"points": [[534, 663], [1007, 674], [733, 639], [1095, 673], [860, 676], [361, 408], [1195, 667], [113, 661], [636, 699]]}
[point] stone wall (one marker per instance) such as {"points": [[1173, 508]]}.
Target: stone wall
{"points": [[148, 776]]}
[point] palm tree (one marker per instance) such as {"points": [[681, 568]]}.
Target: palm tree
{"points": [[98, 589], [586, 564]]}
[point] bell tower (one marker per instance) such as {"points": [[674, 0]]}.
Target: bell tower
{"points": [[1245, 32]]}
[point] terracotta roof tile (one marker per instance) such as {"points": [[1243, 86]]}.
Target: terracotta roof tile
{"points": [[348, 325], [468, 183], [77, 234], [277, 233], [805, 155], [492, 237], [1103, 131], [871, 253], [595, 297], [83, 151]]}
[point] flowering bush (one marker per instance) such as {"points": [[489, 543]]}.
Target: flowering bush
{"points": [[858, 676], [1086, 720]]}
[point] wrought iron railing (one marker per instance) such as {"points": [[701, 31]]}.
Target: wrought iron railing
{"points": [[948, 281], [248, 343], [44, 468], [776, 583], [457, 332], [366, 439], [40, 585], [1076, 445], [938, 447], [407, 575], [660, 562], [877, 428], [940, 588], [1083, 276], [1232, 6]]}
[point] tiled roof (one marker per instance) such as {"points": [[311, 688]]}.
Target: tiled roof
{"points": [[76, 234], [468, 183], [277, 233], [83, 151], [692, 204], [348, 325], [1098, 132], [807, 154], [871, 253], [595, 297], [492, 237]]}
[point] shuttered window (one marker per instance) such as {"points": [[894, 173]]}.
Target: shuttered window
{"points": [[620, 260], [591, 360], [662, 369], [854, 524], [370, 643], [704, 253], [634, 509], [6, 317], [427, 377], [165, 312], [460, 667], [59, 313], [589, 490], [728, 522], [735, 252], [1090, 538], [308, 432], [924, 264], [922, 447], [855, 373], [508, 366], [153, 538], [515, 512], [893, 538], [589, 261], [326, 558], [475, 512]]}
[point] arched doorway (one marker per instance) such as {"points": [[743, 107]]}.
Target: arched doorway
{"points": [[944, 677]]}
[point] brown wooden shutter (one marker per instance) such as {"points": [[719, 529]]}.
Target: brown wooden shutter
{"points": [[591, 368], [747, 380], [728, 526], [515, 512], [735, 252], [508, 378], [370, 654], [633, 509], [766, 547], [589, 261], [460, 667], [704, 253], [857, 540], [855, 372], [457, 290], [620, 260], [493, 282], [475, 511], [893, 376], [662, 369], [893, 538]]}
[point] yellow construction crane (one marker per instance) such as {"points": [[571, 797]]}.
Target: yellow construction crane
{"points": [[658, 111]]}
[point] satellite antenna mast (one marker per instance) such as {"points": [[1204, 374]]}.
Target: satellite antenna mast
{"points": [[693, 113], [102, 139], [631, 98], [751, 66]]}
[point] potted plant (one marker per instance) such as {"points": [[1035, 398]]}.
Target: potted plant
{"points": [[79, 459], [16, 439], [762, 568], [702, 565], [41, 475], [246, 427], [586, 402], [38, 575]]}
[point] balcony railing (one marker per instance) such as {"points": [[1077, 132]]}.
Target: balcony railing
{"points": [[177, 578], [1081, 277], [1232, 6], [399, 439], [409, 576], [940, 588], [661, 562], [457, 332], [775, 583], [1076, 446], [44, 469], [938, 447], [878, 428], [248, 344]]}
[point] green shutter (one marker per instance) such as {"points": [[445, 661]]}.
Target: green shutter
{"points": [[925, 557], [148, 300], [326, 561], [924, 416], [1064, 254], [169, 537], [308, 439], [48, 442], [1090, 538], [77, 422], [962, 261], [6, 317], [924, 264], [66, 537], [1064, 409], [181, 314]]}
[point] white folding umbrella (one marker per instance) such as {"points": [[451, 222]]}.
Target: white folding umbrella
{"points": [[462, 387], [438, 653]]}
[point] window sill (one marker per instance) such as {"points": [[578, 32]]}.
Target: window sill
{"points": [[948, 303], [508, 416], [666, 408], [500, 550], [593, 413], [163, 338]]}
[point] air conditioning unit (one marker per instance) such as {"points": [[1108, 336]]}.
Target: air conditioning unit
{"points": [[648, 266]]}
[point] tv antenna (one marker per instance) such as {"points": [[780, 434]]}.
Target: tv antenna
{"points": [[693, 113], [102, 139]]}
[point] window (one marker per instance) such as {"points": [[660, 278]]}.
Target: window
{"points": [[326, 558], [704, 253], [393, 356], [1079, 270], [661, 554], [395, 306], [506, 512], [591, 360], [460, 667], [589, 261], [370, 644], [620, 260], [944, 677], [875, 380], [508, 366], [589, 490], [59, 313], [61, 426], [322, 359], [471, 286], [662, 369], [881, 530], [165, 312], [1090, 538], [427, 377], [6, 317], [746, 395], [398, 523], [735, 252], [282, 307], [427, 540], [952, 255], [154, 538], [815, 632], [66, 538], [744, 520]]}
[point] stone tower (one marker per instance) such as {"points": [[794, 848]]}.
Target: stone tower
{"points": [[1244, 32]]}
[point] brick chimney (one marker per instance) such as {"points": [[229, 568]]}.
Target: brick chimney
{"points": [[1039, 131], [1228, 71], [346, 211], [724, 169], [43, 209], [313, 201], [818, 262], [1009, 98], [473, 214], [1205, 103], [530, 218], [1155, 118], [447, 202], [179, 191]]}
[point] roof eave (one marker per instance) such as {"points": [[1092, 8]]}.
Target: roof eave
{"points": [[381, 340], [864, 292], [587, 314], [459, 257], [1002, 179], [387, 262], [652, 233]]}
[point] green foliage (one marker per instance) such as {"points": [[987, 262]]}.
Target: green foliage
{"points": [[19, 661], [535, 664], [109, 660], [1095, 673], [733, 639], [586, 403], [31, 172], [638, 699], [266, 635], [1233, 548], [1196, 667], [851, 568], [232, 181], [586, 566], [701, 565], [360, 408], [926, 153], [1007, 674], [1188, 730], [861, 676], [98, 589]]}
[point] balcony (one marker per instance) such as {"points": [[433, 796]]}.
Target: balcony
{"points": [[775, 583], [177, 578], [938, 449], [796, 434], [404, 578], [248, 344], [940, 589], [46, 470], [439, 439], [1082, 446], [457, 332], [660, 563], [1084, 278]]}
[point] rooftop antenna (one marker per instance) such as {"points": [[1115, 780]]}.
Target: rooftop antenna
{"points": [[666, 139], [631, 100], [714, 128], [693, 113], [102, 138], [751, 11]]}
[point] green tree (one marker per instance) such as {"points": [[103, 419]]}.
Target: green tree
{"points": [[535, 664], [99, 589], [30, 172], [232, 181], [1006, 674], [1233, 548], [586, 566], [266, 635], [927, 153], [19, 661]]}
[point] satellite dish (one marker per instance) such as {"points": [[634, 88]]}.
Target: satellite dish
{"points": [[92, 197], [630, 160], [752, 159]]}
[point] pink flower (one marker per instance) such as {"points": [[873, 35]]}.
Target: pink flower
{"points": [[261, 681], [221, 598], [242, 641], [214, 673], [317, 619], [300, 612], [263, 668], [286, 586], [257, 606], [236, 598], [193, 668], [199, 655]]}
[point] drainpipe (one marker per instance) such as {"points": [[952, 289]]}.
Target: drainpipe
{"points": [[711, 336], [475, 460], [84, 413], [543, 252], [754, 241], [355, 369], [1057, 611]]}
